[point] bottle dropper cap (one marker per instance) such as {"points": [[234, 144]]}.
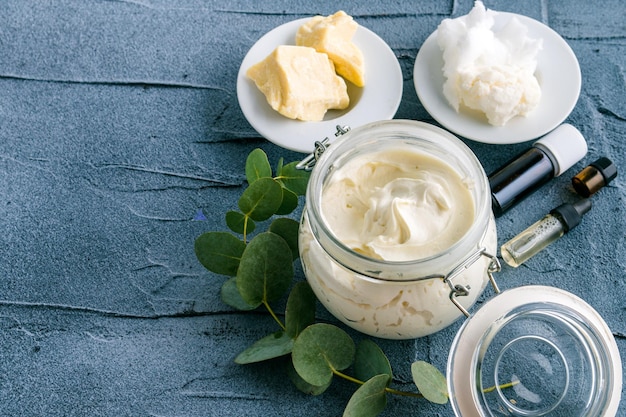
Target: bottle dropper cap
{"points": [[594, 176], [566, 145], [572, 214]]}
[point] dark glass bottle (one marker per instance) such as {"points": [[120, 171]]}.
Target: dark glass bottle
{"points": [[518, 178], [549, 157], [594, 176]]}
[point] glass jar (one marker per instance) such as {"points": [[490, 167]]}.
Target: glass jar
{"points": [[535, 351], [398, 299]]}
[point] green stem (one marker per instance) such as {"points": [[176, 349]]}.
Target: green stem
{"points": [[245, 229], [280, 323], [347, 377], [404, 393], [389, 390], [413, 394], [503, 386]]}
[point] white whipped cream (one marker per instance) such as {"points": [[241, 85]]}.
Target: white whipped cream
{"points": [[486, 70], [397, 205]]}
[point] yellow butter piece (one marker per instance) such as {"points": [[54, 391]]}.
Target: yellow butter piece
{"points": [[333, 36], [300, 83]]}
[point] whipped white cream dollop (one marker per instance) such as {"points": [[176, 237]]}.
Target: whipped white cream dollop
{"points": [[397, 205], [489, 70]]}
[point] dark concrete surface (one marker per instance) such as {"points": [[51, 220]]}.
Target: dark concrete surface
{"points": [[119, 124]]}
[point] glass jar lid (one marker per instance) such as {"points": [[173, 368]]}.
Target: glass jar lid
{"points": [[535, 351]]}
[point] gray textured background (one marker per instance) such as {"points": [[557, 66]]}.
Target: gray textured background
{"points": [[119, 123]]}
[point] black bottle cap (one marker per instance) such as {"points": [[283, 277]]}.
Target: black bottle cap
{"points": [[572, 214], [606, 168], [593, 177]]}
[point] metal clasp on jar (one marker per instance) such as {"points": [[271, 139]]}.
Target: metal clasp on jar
{"points": [[458, 290], [310, 160]]}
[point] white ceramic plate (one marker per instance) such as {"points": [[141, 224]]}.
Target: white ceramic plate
{"points": [[558, 74], [377, 100]]}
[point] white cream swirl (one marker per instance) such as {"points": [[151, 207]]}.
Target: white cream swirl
{"points": [[397, 205]]}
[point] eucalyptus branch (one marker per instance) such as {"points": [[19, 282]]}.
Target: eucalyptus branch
{"points": [[261, 272]]}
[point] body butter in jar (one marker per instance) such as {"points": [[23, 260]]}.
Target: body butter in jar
{"points": [[397, 233]]}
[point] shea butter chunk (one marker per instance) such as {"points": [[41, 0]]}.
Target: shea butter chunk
{"points": [[300, 83], [333, 35]]}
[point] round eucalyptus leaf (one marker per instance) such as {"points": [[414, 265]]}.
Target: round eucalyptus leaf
{"points": [[293, 178], [230, 296], [289, 203], [288, 230], [430, 382], [321, 349], [370, 399], [257, 166], [370, 361], [302, 385], [261, 199], [300, 310], [273, 346], [219, 252], [265, 270]]}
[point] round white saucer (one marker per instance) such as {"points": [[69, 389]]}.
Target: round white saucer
{"points": [[558, 73], [377, 100]]}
